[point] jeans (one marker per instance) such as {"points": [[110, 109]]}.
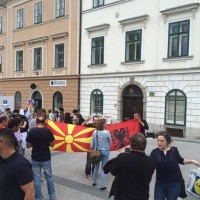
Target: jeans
{"points": [[165, 190], [105, 156], [46, 167]]}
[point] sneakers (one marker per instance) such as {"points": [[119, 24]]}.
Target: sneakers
{"points": [[94, 184], [103, 188]]}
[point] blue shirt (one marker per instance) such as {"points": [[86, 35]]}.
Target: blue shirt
{"points": [[104, 140]]}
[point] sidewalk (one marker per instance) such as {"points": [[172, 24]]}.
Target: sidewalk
{"points": [[71, 183]]}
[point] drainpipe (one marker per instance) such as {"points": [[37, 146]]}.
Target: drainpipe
{"points": [[79, 63]]}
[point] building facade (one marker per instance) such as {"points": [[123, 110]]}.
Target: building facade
{"points": [[142, 56], [39, 52]]}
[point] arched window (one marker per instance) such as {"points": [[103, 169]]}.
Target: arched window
{"points": [[96, 102], [18, 99], [37, 98], [57, 101], [175, 107]]}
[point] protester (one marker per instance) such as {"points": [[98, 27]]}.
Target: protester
{"points": [[89, 168], [14, 125], [16, 176], [78, 120], [23, 130], [40, 113], [3, 121], [61, 115], [143, 123], [101, 140], [168, 173], [51, 116], [133, 171], [40, 138]]}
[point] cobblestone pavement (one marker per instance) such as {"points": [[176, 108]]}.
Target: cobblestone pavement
{"points": [[71, 183]]}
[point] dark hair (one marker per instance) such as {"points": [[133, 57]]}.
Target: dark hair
{"points": [[138, 142], [14, 122], [166, 135], [41, 111], [49, 110], [100, 124], [40, 120], [95, 116], [3, 118], [23, 117], [7, 135], [75, 111], [61, 109], [16, 111]]}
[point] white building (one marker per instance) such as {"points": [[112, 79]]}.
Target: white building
{"points": [[142, 56]]}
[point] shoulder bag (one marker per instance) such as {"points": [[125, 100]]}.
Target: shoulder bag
{"points": [[95, 156]]}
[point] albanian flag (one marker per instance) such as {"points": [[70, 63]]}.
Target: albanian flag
{"points": [[74, 138]]}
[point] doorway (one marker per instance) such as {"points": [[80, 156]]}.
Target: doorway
{"points": [[37, 99], [132, 102]]}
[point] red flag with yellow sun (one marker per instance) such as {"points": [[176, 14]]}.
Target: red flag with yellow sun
{"points": [[74, 138]]}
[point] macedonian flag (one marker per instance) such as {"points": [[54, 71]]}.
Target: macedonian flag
{"points": [[74, 138]]}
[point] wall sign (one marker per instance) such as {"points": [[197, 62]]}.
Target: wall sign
{"points": [[58, 83]]}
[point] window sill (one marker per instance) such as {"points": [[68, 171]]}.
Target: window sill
{"points": [[58, 68], [19, 71], [133, 62], [178, 58], [97, 65]]}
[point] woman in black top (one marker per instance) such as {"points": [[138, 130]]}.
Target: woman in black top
{"points": [[168, 174]]}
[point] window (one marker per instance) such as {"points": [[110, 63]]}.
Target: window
{"points": [[175, 108], [0, 25], [60, 8], [0, 62], [57, 101], [133, 45], [19, 60], [178, 44], [98, 50], [38, 58], [97, 3], [20, 18], [38, 13], [18, 99], [96, 102], [59, 55]]}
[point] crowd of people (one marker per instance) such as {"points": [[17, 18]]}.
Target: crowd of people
{"points": [[132, 170]]}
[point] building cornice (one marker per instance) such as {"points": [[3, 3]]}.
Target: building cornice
{"points": [[35, 78], [141, 18], [99, 27], [40, 39], [105, 6], [21, 43], [144, 72], [59, 35], [180, 9]]}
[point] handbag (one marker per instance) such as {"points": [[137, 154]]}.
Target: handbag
{"points": [[95, 156], [193, 187]]}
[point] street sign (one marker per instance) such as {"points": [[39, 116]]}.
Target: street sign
{"points": [[58, 83]]}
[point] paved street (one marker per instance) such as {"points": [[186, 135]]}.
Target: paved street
{"points": [[70, 181]]}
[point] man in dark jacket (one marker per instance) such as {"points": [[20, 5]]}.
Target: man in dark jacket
{"points": [[133, 171], [143, 123]]}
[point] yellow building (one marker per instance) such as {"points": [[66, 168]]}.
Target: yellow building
{"points": [[39, 48]]}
